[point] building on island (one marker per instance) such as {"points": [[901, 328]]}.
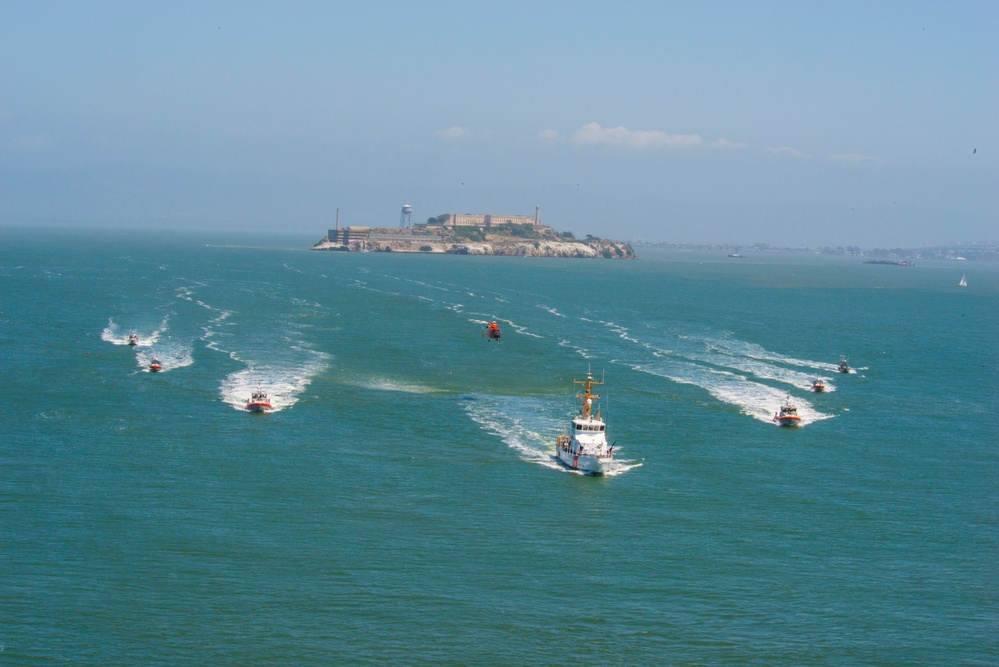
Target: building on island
{"points": [[434, 229], [485, 220], [347, 234]]}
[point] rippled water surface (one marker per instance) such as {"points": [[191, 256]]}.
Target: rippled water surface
{"points": [[402, 503]]}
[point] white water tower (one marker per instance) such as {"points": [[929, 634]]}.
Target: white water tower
{"points": [[406, 220]]}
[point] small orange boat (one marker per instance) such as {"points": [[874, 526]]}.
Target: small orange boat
{"points": [[259, 401], [155, 366], [788, 414]]}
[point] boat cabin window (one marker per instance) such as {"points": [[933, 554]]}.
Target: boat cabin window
{"points": [[589, 427]]}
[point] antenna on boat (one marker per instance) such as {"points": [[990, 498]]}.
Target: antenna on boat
{"points": [[603, 375]]}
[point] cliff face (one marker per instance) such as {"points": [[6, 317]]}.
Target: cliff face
{"points": [[591, 248]]}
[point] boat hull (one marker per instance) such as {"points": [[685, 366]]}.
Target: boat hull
{"points": [[788, 421], [589, 465], [258, 407], [155, 368]]}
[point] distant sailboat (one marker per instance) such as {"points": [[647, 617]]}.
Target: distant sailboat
{"points": [[964, 281]]}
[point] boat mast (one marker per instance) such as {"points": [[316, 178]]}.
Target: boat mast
{"points": [[587, 397]]}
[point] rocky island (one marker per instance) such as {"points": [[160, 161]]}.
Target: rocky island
{"points": [[471, 234]]}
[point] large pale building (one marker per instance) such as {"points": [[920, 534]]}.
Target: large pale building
{"points": [[486, 220]]}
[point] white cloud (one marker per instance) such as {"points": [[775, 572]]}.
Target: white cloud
{"points": [[726, 144], [622, 137], [453, 133], [786, 150], [853, 157], [548, 135]]}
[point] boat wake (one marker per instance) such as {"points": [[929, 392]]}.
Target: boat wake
{"points": [[284, 385], [581, 351], [528, 426], [170, 354], [276, 358], [754, 399], [741, 351], [551, 310], [757, 368], [739, 373], [285, 376], [388, 384], [115, 335]]}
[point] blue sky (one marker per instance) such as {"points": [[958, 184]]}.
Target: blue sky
{"points": [[789, 123]]}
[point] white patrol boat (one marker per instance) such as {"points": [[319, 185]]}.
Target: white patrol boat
{"points": [[585, 448]]}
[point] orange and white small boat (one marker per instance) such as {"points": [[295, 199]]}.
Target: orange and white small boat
{"points": [[259, 401], [493, 330], [155, 366], [788, 414], [818, 386]]}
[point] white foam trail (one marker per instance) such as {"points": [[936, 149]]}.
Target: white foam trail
{"points": [[581, 351], [388, 384], [733, 346], [621, 331], [116, 336], [172, 355], [210, 330], [284, 385], [110, 334], [287, 371], [522, 330], [424, 284], [757, 400], [154, 337], [730, 370], [551, 310], [762, 370]]}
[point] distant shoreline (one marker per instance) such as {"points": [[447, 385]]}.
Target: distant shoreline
{"points": [[985, 252]]}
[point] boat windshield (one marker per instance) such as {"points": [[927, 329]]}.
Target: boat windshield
{"points": [[589, 427]]}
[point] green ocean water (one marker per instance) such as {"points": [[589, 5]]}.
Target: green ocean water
{"points": [[402, 504]]}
